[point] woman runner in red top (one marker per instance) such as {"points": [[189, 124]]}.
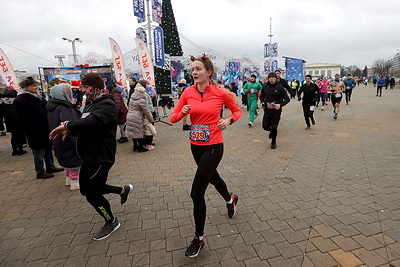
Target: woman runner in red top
{"points": [[203, 101]]}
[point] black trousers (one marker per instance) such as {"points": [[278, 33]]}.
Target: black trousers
{"points": [[348, 93], [308, 114], [207, 159], [271, 121], [379, 90], [92, 182]]}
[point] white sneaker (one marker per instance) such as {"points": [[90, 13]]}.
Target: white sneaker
{"points": [[250, 124], [67, 181], [74, 184]]}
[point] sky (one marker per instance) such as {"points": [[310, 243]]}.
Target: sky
{"points": [[318, 31]]}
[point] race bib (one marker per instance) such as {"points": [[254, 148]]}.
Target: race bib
{"points": [[270, 105], [348, 87], [338, 95], [312, 108], [200, 132]]}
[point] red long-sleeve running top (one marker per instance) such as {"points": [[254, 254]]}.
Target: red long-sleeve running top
{"points": [[205, 110]]}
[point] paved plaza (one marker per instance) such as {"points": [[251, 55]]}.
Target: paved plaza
{"points": [[325, 197]]}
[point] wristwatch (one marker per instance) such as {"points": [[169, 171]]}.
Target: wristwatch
{"points": [[231, 120]]}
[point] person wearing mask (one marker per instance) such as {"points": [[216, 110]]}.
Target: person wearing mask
{"points": [[273, 97], [323, 89], [96, 146], [381, 82], [204, 101], [310, 93], [32, 116], [350, 84], [252, 89], [284, 83], [337, 87], [61, 108]]}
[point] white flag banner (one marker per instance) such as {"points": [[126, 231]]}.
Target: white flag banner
{"points": [[7, 72], [119, 66]]}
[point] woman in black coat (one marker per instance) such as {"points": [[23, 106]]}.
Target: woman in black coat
{"points": [[17, 135]]}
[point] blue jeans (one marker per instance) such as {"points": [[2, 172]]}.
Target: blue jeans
{"points": [[41, 154]]}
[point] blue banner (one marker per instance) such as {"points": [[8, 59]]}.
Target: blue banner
{"points": [[267, 68], [294, 69], [138, 10], [274, 65], [159, 46], [267, 51], [274, 49]]}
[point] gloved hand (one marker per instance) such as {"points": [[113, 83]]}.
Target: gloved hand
{"points": [[299, 99]]}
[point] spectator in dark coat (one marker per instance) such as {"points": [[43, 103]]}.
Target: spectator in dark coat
{"points": [[60, 108], [17, 135], [122, 111], [32, 116]]}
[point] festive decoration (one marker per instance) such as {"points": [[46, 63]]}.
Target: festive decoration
{"points": [[172, 46]]}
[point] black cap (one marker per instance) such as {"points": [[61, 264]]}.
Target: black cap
{"points": [[272, 74]]}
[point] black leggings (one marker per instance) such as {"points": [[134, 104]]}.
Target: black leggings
{"points": [[207, 159], [92, 182]]}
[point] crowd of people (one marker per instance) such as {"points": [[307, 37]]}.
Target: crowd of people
{"points": [[79, 121]]}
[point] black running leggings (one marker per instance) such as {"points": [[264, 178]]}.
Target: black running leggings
{"points": [[92, 182], [207, 159]]}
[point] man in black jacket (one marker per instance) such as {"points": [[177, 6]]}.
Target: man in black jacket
{"points": [[32, 117], [96, 146], [273, 97], [284, 83], [310, 96]]}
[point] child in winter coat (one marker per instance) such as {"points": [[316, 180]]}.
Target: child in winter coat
{"points": [[61, 108]]}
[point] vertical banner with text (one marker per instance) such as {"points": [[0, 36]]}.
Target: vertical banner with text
{"points": [[159, 46], [138, 10], [119, 66], [147, 66], [7, 72]]}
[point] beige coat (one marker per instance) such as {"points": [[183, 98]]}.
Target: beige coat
{"points": [[137, 110]]}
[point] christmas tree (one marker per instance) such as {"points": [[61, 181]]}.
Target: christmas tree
{"points": [[172, 46]]}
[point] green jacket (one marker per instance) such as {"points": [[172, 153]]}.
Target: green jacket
{"points": [[254, 89]]}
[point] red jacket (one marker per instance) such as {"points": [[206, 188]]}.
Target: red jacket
{"points": [[206, 110], [122, 110]]}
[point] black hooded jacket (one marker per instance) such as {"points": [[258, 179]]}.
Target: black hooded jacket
{"points": [[96, 130]]}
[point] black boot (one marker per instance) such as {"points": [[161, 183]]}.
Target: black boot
{"points": [[274, 133], [142, 143], [135, 144]]}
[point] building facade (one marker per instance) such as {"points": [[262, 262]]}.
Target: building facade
{"points": [[320, 70]]}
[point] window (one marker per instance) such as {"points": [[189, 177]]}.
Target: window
{"points": [[310, 72], [330, 73], [322, 73], [316, 72]]}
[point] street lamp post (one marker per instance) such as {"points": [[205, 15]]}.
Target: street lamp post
{"points": [[73, 47]]}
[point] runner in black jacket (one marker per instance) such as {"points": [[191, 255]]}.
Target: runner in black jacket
{"points": [[273, 97], [284, 83], [96, 146], [310, 96]]}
